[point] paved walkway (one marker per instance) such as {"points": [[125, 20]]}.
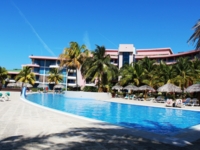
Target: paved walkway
{"points": [[27, 127]]}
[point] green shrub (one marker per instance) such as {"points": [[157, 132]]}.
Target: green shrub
{"points": [[90, 89]]}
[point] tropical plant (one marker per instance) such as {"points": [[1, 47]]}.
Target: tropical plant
{"points": [[3, 76], [167, 73], [147, 64], [26, 76], [99, 68], [133, 73], [73, 57], [183, 68], [195, 68], [55, 76], [195, 37], [150, 77]]}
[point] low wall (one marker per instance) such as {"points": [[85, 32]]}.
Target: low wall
{"points": [[11, 89], [91, 95]]}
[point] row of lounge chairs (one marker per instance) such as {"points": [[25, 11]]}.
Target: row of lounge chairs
{"points": [[179, 103], [168, 102]]}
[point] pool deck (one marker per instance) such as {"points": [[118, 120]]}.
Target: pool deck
{"points": [[26, 126]]}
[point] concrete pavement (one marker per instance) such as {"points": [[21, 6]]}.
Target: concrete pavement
{"points": [[28, 127]]}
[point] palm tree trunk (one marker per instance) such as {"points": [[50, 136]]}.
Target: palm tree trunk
{"points": [[66, 77]]}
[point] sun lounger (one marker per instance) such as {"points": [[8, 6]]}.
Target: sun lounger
{"points": [[126, 97], [187, 102], [179, 103], [150, 99], [159, 99], [4, 96], [194, 102], [1, 97], [169, 103]]}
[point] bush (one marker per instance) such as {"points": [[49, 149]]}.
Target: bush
{"points": [[90, 89]]}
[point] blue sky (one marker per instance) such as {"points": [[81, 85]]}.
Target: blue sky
{"points": [[45, 27]]}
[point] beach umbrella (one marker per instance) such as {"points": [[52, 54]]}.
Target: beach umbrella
{"points": [[169, 88], [146, 88], [193, 88], [42, 86], [117, 87], [11, 84], [58, 86], [28, 85], [131, 87], [19, 84]]}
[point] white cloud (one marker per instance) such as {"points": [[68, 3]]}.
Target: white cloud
{"points": [[34, 31], [86, 40]]}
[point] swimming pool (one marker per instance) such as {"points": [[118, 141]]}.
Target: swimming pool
{"points": [[165, 121]]}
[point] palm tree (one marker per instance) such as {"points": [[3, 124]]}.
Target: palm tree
{"points": [[150, 77], [55, 76], [99, 68], [195, 67], [132, 74], [3, 76], [167, 73], [183, 68], [26, 76], [196, 35], [147, 64], [73, 57]]}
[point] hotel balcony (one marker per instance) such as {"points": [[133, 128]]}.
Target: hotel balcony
{"points": [[32, 65], [90, 84], [54, 66], [72, 77], [71, 84], [11, 80], [116, 64]]}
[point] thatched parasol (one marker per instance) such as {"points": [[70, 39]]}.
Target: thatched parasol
{"points": [[42, 86], [169, 88], [131, 87], [11, 84], [146, 88], [117, 87], [193, 88]]}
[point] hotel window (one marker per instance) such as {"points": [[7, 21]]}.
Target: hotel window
{"points": [[125, 58], [50, 62], [171, 59], [70, 81], [47, 70], [42, 70], [40, 62], [36, 70], [88, 81], [73, 74], [64, 71]]}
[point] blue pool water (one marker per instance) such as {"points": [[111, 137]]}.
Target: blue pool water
{"points": [[158, 120]]}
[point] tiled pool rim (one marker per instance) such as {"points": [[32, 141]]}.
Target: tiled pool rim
{"points": [[185, 137]]}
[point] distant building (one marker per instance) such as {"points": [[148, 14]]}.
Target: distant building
{"points": [[125, 54]]}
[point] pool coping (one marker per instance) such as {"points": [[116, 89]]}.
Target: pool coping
{"points": [[183, 138]]}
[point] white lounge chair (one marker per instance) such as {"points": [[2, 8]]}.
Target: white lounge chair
{"points": [[187, 102], [179, 103], [2, 97], [194, 102], [5, 96], [169, 103]]}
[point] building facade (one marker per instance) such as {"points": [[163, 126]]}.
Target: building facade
{"points": [[125, 54]]}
